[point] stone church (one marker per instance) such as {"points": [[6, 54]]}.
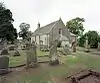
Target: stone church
{"points": [[50, 32]]}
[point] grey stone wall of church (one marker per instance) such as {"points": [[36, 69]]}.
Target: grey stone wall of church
{"points": [[54, 33]]}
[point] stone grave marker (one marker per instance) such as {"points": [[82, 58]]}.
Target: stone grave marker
{"points": [[86, 45], [53, 53], [4, 63], [98, 46], [4, 50], [31, 55], [11, 48], [74, 46], [66, 49], [16, 49]]}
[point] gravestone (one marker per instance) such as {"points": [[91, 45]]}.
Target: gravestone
{"points": [[4, 50], [74, 46], [98, 46], [16, 49], [66, 50], [53, 53], [46, 48], [4, 63], [86, 45], [11, 48], [31, 55]]}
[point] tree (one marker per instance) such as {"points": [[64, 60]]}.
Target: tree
{"points": [[81, 41], [7, 30], [98, 38], [24, 31], [93, 39], [75, 26]]}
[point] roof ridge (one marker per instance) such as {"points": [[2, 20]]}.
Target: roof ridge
{"points": [[46, 25], [45, 29], [49, 23], [54, 25]]}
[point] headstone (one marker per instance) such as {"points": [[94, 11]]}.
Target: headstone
{"points": [[53, 53], [86, 45], [4, 47], [16, 53], [11, 48], [31, 55], [4, 52], [46, 48], [74, 46], [98, 46], [16, 49], [66, 49], [4, 63]]}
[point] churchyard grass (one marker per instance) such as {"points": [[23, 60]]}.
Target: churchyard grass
{"points": [[80, 58], [71, 64], [41, 53], [83, 60], [20, 60], [17, 60]]}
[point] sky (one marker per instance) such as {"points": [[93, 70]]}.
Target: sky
{"points": [[47, 11]]}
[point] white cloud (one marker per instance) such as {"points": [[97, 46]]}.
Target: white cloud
{"points": [[46, 11]]}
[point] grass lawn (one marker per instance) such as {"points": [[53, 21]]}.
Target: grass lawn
{"points": [[41, 53], [45, 73], [83, 60], [72, 65], [19, 60]]}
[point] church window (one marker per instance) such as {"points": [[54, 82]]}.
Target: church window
{"points": [[60, 31]]}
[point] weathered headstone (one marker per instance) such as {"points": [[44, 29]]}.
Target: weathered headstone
{"points": [[46, 48], [4, 63], [31, 55], [4, 50], [74, 46], [98, 46], [66, 49], [16, 49], [53, 53], [11, 48], [86, 45]]}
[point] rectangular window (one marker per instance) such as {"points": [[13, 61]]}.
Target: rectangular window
{"points": [[60, 31]]}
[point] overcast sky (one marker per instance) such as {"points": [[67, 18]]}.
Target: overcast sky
{"points": [[46, 11]]}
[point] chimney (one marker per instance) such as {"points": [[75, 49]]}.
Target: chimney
{"points": [[38, 25]]}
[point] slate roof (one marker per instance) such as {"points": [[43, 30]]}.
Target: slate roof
{"points": [[45, 29]]}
